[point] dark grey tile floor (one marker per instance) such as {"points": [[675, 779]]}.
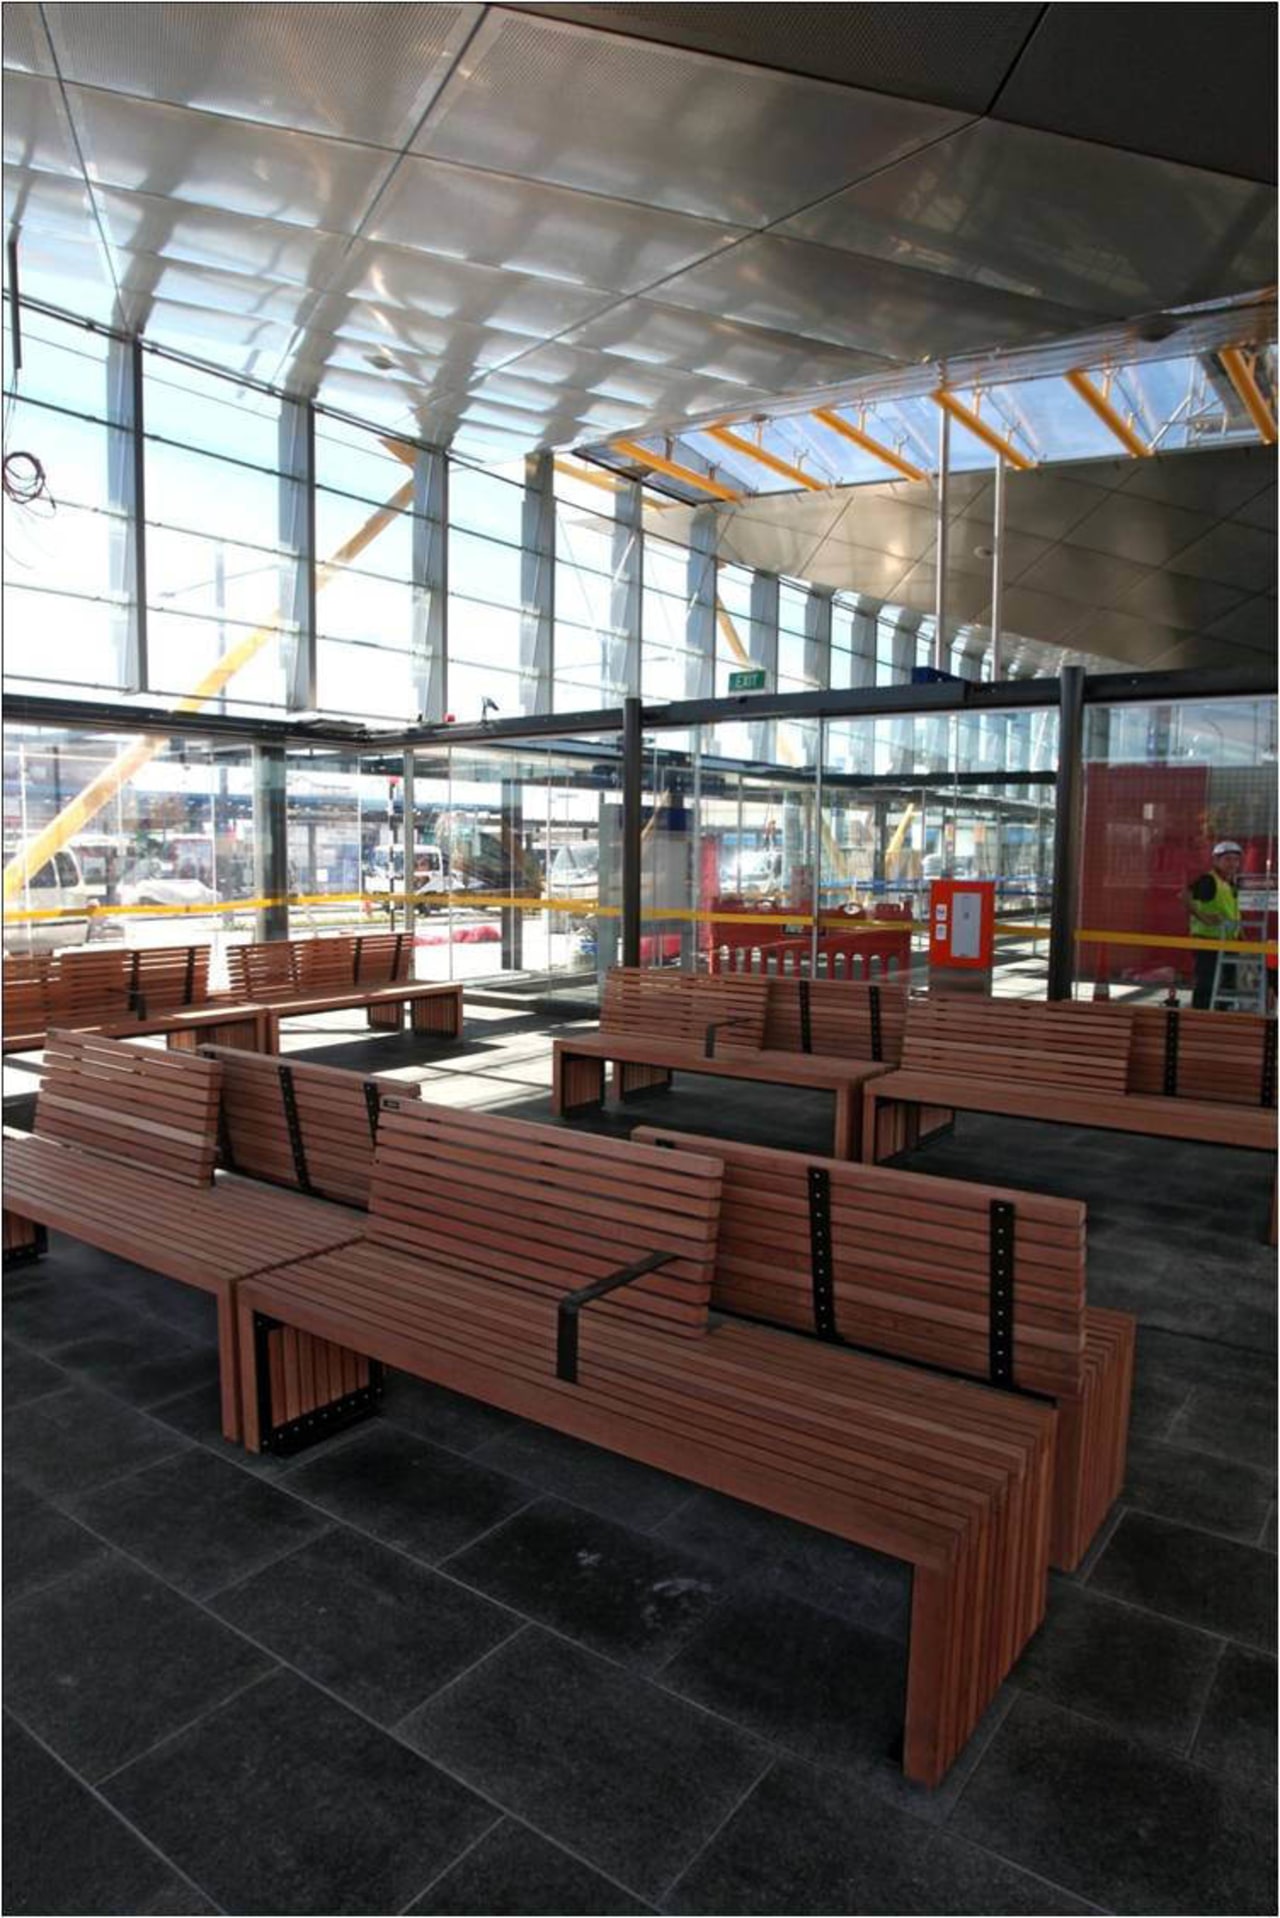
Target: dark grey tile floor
{"points": [[453, 1663]]}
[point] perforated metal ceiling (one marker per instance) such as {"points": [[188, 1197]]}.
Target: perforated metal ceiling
{"points": [[504, 230]]}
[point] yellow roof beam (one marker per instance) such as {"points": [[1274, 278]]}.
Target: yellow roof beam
{"points": [[980, 430], [630, 450], [750, 450], [1242, 376], [1079, 382], [868, 445]]}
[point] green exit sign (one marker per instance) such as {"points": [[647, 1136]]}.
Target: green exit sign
{"points": [[752, 682]]}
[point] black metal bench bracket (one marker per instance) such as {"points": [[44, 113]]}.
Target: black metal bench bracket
{"points": [[372, 1107], [1268, 1097], [806, 1017], [20, 1255], [294, 1435], [572, 1303], [1001, 1295], [1172, 1035], [709, 1037], [294, 1123], [877, 1029], [821, 1253]]}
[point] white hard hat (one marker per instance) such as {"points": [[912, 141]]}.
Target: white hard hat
{"points": [[1226, 845]]}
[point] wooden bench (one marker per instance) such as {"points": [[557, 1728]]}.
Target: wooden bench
{"points": [[306, 1126], [566, 1280], [1075, 1064], [122, 1157], [123, 994], [292, 977], [655, 1023], [969, 1278]]}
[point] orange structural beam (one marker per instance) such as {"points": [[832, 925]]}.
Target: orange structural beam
{"points": [[750, 450], [1079, 382], [1242, 376], [873, 446], [632, 450], [980, 430]]}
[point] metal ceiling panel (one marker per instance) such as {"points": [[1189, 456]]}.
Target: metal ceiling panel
{"points": [[1219, 480], [491, 219], [894, 525], [1048, 505], [475, 295], [26, 44], [1042, 615], [1075, 572], [660, 393], [1187, 83], [1086, 227], [969, 540], [1253, 623], [68, 273], [144, 276], [207, 236], [866, 305], [923, 52], [1117, 635], [967, 599], [1175, 599], [352, 71], [1139, 529], [54, 205], [637, 121], [37, 132], [661, 335], [1237, 555], [1259, 511], [209, 161]]}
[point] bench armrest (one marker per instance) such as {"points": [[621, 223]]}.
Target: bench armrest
{"points": [[709, 1034], [572, 1303]]}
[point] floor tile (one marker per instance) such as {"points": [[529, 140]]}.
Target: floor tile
{"points": [[198, 1415], [75, 1439], [375, 1627], [584, 1475], [1216, 1494], [1214, 1583], [48, 1308], [622, 1593], [631, 1778], [418, 1496], [196, 1520], [805, 1841], [143, 1368], [64, 1851], [108, 1660], [825, 1689], [862, 1586], [40, 1544], [446, 1418], [1237, 1735], [318, 1811], [27, 1377], [513, 1870], [1268, 1539], [1145, 1675], [1119, 1823], [1235, 1421]]}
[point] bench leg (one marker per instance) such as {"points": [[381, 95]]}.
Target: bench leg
{"points": [[228, 1364], [576, 1081], [846, 1142], [440, 1014], [629, 1078], [296, 1388], [24, 1241], [388, 1017]]}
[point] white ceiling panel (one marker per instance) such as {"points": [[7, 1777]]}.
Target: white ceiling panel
{"points": [[492, 219], [145, 276], [68, 273], [51, 204], [637, 121], [1055, 219], [217, 162], [866, 305], [194, 328], [475, 295], [26, 45], [207, 236], [37, 132], [355, 71], [391, 329], [660, 335]]}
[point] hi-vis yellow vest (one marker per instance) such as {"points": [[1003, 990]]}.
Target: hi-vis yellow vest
{"points": [[1219, 917]]}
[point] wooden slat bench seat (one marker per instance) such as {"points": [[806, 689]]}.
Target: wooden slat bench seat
{"points": [[491, 1240], [122, 1158], [655, 1023], [904, 1266], [102, 988], [1075, 1065], [293, 977], [306, 1126]]}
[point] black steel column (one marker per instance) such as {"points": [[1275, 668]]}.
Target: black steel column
{"points": [[632, 796], [270, 841], [1066, 833]]}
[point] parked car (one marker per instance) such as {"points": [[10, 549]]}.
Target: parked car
{"points": [[57, 887], [149, 882]]}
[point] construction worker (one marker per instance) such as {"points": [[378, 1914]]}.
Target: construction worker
{"points": [[1214, 913]]}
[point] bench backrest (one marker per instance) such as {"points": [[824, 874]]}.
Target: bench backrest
{"points": [[1084, 1047], [546, 1209], [166, 978], [311, 1127], [26, 991], [843, 1019], [909, 1257], [1226, 1058], [262, 967], [138, 1104], [319, 965], [680, 1006], [91, 987]]}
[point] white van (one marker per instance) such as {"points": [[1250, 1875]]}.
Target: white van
{"points": [[58, 886], [428, 874]]}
